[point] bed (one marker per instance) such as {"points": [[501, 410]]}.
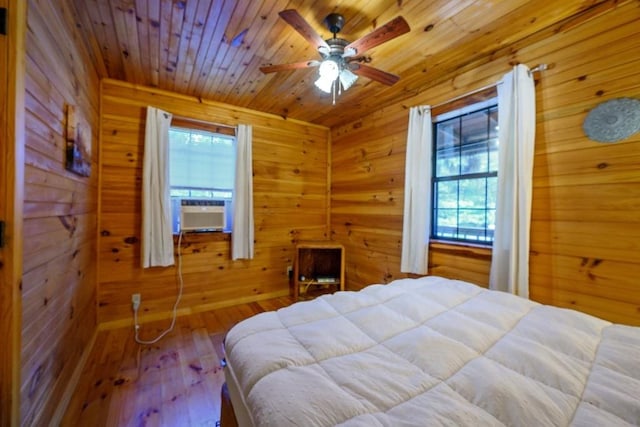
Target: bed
{"points": [[432, 351]]}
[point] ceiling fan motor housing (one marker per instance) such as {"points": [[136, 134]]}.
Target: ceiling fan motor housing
{"points": [[336, 51], [336, 47]]}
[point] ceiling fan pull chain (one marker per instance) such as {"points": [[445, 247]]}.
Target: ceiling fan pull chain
{"points": [[334, 91]]}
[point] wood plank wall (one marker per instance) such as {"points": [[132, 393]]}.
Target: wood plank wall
{"points": [[58, 292], [290, 167], [586, 201]]}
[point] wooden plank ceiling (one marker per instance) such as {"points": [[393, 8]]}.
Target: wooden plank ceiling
{"points": [[213, 49]]}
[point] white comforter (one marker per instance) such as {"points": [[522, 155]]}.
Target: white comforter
{"points": [[433, 351]]}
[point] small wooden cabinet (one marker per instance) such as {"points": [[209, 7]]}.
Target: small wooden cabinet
{"points": [[318, 265]]}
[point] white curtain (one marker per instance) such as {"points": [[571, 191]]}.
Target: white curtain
{"points": [[417, 192], [242, 230], [157, 235], [516, 119]]}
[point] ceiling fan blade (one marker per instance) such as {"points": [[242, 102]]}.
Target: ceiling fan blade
{"points": [[293, 66], [388, 31], [293, 18], [374, 74]]}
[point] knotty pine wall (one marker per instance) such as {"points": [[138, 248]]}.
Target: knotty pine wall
{"points": [[585, 232], [290, 172], [58, 286]]}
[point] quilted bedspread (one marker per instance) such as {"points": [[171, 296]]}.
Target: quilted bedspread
{"points": [[433, 351]]}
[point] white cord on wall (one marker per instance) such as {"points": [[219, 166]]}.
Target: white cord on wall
{"points": [[175, 306]]}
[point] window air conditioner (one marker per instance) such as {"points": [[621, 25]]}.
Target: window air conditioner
{"points": [[201, 215]]}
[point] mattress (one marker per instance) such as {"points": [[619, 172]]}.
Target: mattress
{"points": [[432, 351]]}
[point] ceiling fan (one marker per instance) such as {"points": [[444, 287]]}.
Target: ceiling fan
{"points": [[342, 61]]}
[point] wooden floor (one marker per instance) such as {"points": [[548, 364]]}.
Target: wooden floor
{"points": [[175, 382]]}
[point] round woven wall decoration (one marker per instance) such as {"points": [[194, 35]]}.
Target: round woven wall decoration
{"points": [[613, 120]]}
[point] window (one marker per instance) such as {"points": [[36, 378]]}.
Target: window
{"points": [[465, 170], [202, 168]]}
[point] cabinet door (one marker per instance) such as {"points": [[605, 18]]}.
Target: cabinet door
{"points": [[12, 114]]}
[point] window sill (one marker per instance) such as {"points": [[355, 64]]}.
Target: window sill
{"points": [[471, 250], [203, 236]]}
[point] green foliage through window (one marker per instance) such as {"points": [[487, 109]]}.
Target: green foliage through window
{"points": [[465, 170]]}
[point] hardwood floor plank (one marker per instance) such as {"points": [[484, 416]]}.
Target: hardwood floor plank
{"points": [[85, 387], [122, 375], [174, 382], [175, 391], [203, 409], [146, 391]]}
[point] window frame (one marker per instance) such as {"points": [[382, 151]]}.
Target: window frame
{"points": [[199, 126], [483, 100]]}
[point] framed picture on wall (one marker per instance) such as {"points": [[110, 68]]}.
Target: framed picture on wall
{"points": [[78, 150]]}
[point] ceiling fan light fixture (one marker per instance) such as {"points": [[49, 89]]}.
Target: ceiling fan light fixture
{"points": [[347, 78], [329, 69], [324, 84]]}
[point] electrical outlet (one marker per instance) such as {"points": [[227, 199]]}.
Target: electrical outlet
{"points": [[289, 271], [135, 301]]}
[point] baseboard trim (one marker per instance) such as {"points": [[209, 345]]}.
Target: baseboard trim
{"points": [[146, 317], [70, 388]]}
